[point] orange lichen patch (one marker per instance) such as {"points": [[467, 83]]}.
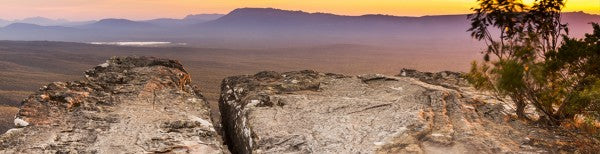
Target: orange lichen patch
{"points": [[76, 98], [184, 79], [45, 97], [583, 123], [567, 125], [80, 93], [150, 88], [509, 118], [579, 120]]}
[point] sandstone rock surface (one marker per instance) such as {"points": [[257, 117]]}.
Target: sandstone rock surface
{"points": [[147, 105], [126, 105], [415, 112]]}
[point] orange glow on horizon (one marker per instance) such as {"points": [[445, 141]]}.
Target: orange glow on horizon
{"points": [[149, 9]]}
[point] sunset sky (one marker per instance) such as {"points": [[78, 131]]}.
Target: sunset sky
{"points": [[149, 9]]}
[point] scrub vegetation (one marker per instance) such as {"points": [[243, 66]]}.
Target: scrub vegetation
{"points": [[531, 60]]}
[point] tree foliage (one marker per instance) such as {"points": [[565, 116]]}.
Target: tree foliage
{"points": [[530, 59]]}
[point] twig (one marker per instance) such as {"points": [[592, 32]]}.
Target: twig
{"points": [[154, 99]]}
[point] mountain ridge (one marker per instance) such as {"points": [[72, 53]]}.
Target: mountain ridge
{"points": [[117, 23], [277, 27], [43, 21], [186, 21]]}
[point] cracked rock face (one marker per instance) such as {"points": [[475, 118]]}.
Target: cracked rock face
{"points": [[311, 112], [126, 105]]}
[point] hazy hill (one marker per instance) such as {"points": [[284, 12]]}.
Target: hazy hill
{"points": [[577, 22], [203, 17], [268, 20], [4, 22], [44, 21], [27, 26], [123, 24], [187, 21], [24, 31]]}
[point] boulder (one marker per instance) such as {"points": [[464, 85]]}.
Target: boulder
{"points": [[312, 112], [126, 105]]}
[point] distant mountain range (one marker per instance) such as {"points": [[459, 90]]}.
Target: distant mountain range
{"points": [[42, 21], [188, 20], [45, 22], [265, 26]]}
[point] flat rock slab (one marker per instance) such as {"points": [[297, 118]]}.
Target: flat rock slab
{"points": [[126, 105], [311, 112]]}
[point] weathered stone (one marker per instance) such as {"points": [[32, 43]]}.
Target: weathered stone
{"points": [[447, 79], [311, 112], [126, 105]]}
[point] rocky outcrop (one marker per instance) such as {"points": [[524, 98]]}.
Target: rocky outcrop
{"points": [[148, 105], [446, 79], [126, 105], [415, 112]]}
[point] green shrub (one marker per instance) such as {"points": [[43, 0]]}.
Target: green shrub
{"points": [[532, 61]]}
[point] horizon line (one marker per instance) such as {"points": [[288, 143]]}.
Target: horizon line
{"points": [[318, 12]]}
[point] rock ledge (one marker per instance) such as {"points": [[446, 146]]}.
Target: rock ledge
{"points": [[126, 105], [414, 112]]}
